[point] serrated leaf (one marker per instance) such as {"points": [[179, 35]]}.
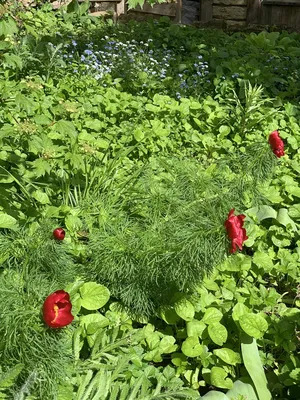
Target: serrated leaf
{"points": [[7, 379], [263, 260], [65, 128]]}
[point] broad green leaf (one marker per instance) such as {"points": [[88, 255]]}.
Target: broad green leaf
{"points": [[195, 328], [254, 366], [263, 260], [224, 130], [65, 128], [73, 223], [284, 219], [228, 356], [167, 345], [184, 309], [93, 322], [153, 340], [7, 26], [93, 295], [138, 134], [294, 211], [214, 395], [253, 324], [169, 315], [241, 388], [218, 333], [218, 378], [101, 143], [293, 190], [212, 315], [265, 212], [239, 310], [7, 221], [191, 347], [41, 197]]}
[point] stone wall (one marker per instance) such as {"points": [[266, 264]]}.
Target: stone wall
{"points": [[233, 12]]}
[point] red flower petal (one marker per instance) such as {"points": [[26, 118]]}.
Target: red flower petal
{"points": [[235, 230], [276, 144], [57, 309]]}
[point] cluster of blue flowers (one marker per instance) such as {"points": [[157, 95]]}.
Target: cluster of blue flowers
{"points": [[131, 60]]}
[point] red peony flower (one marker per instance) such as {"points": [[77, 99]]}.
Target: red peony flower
{"points": [[236, 232], [276, 144], [57, 309], [59, 234]]}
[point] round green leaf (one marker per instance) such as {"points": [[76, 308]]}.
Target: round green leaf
{"points": [[218, 333], [228, 356], [195, 328], [218, 378], [167, 344], [93, 295], [253, 324], [224, 130], [238, 310], [191, 347], [184, 309], [212, 315]]}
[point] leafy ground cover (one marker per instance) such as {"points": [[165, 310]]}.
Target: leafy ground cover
{"points": [[137, 140]]}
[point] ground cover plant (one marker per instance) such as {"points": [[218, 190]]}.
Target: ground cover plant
{"points": [[149, 210]]}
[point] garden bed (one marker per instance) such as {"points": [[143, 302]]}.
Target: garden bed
{"points": [[149, 210]]}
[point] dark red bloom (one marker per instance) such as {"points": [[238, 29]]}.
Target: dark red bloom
{"points": [[276, 144], [59, 234], [57, 309], [236, 232]]}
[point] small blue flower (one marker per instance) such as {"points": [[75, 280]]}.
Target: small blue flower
{"points": [[74, 43], [88, 52]]}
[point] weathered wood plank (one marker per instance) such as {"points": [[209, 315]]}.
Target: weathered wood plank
{"points": [[232, 13], [282, 2], [253, 11], [230, 2], [206, 10]]}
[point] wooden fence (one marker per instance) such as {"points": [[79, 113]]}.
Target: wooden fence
{"points": [[223, 13], [284, 13]]}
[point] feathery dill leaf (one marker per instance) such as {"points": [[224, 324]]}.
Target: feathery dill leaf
{"points": [[45, 353], [167, 230]]}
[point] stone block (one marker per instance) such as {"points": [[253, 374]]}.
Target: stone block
{"points": [[230, 12]]}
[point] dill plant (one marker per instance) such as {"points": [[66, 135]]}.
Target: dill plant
{"points": [[166, 231], [32, 267]]}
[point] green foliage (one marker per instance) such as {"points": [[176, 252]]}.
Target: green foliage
{"points": [[172, 214], [45, 354], [140, 161]]}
